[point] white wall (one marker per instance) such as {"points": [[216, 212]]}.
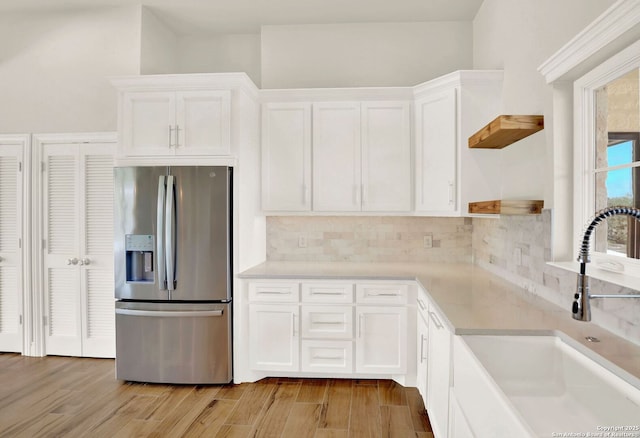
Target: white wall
{"points": [[220, 53], [517, 36], [158, 45], [54, 68], [353, 55]]}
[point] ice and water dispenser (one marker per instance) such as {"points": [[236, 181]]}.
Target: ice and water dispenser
{"points": [[140, 254]]}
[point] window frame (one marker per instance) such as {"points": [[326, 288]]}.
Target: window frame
{"points": [[584, 92]]}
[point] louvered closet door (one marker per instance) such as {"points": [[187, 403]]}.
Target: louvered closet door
{"points": [[10, 251], [63, 328], [96, 256]]}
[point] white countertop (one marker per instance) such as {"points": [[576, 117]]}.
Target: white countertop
{"points": [[475, 301]]}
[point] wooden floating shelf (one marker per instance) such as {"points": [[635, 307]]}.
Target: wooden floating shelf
{"points": [[506, 207], [504, 130]]}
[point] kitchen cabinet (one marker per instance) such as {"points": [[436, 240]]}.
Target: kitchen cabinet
{"points": [[448, 109], [274, 333], [77, 231], [274, 337], [175, 123], [361, 156], [381, 344], [286, 156], [12, 150], [422, 347], [326, 330], [436, 165], [438, 373]]}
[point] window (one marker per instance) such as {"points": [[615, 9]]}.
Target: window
{"points": [[607, 158]]}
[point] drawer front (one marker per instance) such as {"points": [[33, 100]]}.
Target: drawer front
{"points": [[327, 356], [327, 292], [382, 293], [333, 322], [277, 292]]}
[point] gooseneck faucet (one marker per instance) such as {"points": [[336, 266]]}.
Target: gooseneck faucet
{"points": [[581, 306]]}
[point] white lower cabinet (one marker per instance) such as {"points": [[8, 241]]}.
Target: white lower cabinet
{"points": [[326, 330], [422, 346], [274, 337], [458, 425], [438, 373], [381, 342]]}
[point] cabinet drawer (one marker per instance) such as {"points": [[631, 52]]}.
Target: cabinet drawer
{"points": [[335, 322], [327, 292], [382, 293], [327, 356], [274, 292]]}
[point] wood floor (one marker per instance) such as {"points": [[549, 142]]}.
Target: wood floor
{"points": [[73, 397]]}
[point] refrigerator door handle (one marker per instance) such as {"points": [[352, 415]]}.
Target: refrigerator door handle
{"points": [[169, 313], [170, 235], [160, 256]]}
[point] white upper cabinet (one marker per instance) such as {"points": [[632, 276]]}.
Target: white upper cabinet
{"points": [[436, 147], [386, 156], [175, 123], [448, 110], [286, 156], [187, 119], [336, 156]]}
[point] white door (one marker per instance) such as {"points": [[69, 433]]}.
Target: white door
{"points": [[274, 337], [436, 140], [61, 279], [386, 156], [11, 207], [96, 255], [203, 123], [78, 254], [148, 124], [336, 156], [381, 340], [286, 157]]}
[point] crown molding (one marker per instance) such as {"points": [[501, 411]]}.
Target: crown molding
{"points": [[610, 32]]}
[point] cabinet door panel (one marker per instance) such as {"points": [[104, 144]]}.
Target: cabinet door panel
{"points": [[438, 373], [274, 337], [96, 241], [336, 156], [386, 156], [381, 343], [148, 123], [10, 251], [436, 139], [286, 157], [203, 122]]}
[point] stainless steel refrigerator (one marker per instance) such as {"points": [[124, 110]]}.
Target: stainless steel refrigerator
{"points": [[173, 274]]}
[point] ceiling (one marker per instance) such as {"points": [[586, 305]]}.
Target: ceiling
{"points": [[246, 16]]}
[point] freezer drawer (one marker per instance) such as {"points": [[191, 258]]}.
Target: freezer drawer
{"points": [[173, 343]]}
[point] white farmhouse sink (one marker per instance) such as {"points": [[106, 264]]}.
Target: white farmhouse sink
{"points": [[555, 388]]}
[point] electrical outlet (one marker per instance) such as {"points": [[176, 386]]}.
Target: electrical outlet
{"points": [[428, 241], [302, 242]]}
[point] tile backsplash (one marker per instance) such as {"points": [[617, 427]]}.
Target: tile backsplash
{"points": [[513, 247], [518, 248], [368, 239]]}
